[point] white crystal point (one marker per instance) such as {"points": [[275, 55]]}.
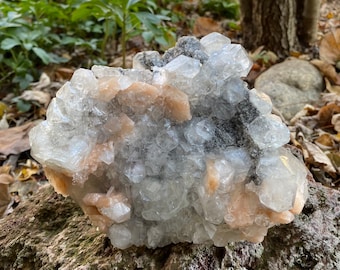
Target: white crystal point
{"points": [[180, 71], [118, 212], [84, 80], [135, 171], [268, 131], [200, 132], [58, 154], [120, 236], [231, 61], [261, 101], [234, 91], [280, 180], [214, 42]]}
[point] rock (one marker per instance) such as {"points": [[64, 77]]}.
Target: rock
{"points": [[50, 232], [177, 152], [291, 85]]}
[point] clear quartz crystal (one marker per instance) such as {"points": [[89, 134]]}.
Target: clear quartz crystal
{"points": [[120, 236], [277, 175], [182, 68], [261, 101], [118, 212], [268, 131], [229, 61], [175, 150], [135, 171], [200, 131], [214, 42]]}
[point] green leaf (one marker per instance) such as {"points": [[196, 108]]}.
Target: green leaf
{"points": [[148, 36], [43, 55], [28, 46], [9, 43], [131, 3], [23, 106]]}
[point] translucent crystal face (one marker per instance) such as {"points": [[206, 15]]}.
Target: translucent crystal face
{"points": [[175, 150]]}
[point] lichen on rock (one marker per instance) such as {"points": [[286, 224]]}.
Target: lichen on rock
{"points": [[176, 149]]}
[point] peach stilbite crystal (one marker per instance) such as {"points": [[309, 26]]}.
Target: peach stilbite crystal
{"points": [[175, 150]]}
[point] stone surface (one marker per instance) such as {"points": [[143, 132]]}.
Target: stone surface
{"points": [[291, 85], [50, 232], [176, 151]]}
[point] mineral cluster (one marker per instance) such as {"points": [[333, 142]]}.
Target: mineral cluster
{"points": [[176, 149]]}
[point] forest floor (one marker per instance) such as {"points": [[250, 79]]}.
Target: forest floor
{"points": [[21, 175]]}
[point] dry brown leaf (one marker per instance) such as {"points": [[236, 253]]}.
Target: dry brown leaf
{"points": [[327, 70], [3, 108], [336, 122], [37, 95], [64, 74], [325, 141], [330, 47], [326, 113], [15, 140], [43, 82], [308, 110], [319, 158], [330, 97], [332, 88], [27, 170], [337, 137], [204, 26], [335, 158]]}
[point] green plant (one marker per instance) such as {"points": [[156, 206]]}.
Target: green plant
{"points": [[130, 17], [34, 34], [223, 9], [22, 43]]}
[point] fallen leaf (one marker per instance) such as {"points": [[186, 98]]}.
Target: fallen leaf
{"points": [[332, 88], [330, 98], [27, 170], [336, 122], [15, 140], [325, 141], [308, 110], [204, 26], [3, 123], [330, 47], [335, 158], [37, 95], [3, 108], [319, 158], [5, 169], [327, 70], [326, 113], [43, 82], [64, 74], [337, 137]]}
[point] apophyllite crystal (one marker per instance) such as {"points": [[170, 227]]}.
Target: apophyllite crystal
{"points": [[176, 149]]}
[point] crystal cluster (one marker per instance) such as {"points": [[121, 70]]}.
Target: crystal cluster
{"points": [[176, 149]]}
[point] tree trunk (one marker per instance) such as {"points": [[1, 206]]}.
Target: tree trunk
{"points": [[282, 26]]}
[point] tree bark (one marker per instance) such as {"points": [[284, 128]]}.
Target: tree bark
{"points": [[281, 26]]}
